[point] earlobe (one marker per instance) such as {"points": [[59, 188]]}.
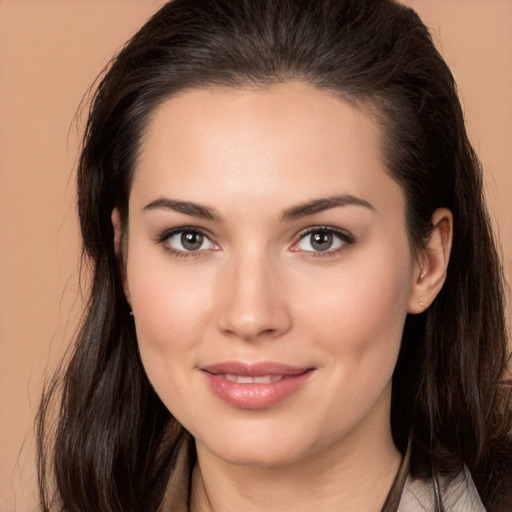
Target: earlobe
{"points": [[432, 263], [120, 250]]}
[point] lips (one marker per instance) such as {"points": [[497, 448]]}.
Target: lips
{"points": [[254, 386]]}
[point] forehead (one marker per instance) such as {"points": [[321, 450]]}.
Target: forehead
{"points": [[286, 140]]}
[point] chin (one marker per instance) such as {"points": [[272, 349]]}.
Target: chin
{"points": [[267, 457], [263, 446]]}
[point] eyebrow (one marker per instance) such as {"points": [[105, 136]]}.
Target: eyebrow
{"points": [[325, 203], [289, 215], [186, 207]]}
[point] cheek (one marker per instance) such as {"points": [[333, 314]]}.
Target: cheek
{"points": [[356, 326], [171, 309], [356, 313], [169, 312], [357, 298]]}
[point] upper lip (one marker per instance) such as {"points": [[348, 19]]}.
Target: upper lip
{"points": [[259, 369]]}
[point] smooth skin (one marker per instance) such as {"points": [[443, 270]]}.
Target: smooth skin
{"points": [[223, 262]]}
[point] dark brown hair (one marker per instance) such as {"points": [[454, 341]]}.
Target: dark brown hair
{"points": [[114, 439]]}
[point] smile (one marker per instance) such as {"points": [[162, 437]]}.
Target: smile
{"points": [[255, 386]]}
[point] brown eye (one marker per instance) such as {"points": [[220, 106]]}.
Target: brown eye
{"points": [[192, 241], [188, 240], [321, 240]]}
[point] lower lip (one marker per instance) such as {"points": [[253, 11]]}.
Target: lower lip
{"points": [[255, 396]]}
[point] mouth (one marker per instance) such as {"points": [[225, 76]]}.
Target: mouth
{"points": [[246, 379], [257, 385]]}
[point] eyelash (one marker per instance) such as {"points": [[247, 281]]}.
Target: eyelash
{"points": [[343, 236], [178, 253], [346, 239]]}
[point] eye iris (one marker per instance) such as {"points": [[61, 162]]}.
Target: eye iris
{"points": [[191, 241], [321, 241]]}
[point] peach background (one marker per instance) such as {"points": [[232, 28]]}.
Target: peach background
{"points": [[50, 52]]}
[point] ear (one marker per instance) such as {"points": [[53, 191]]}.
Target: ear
{"points": [[432, 263], [120, 249]]}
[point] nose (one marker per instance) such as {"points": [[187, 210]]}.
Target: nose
{"points": [[253, 304]]}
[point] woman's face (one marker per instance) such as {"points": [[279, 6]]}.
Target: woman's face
{"points": [[269, 271]]}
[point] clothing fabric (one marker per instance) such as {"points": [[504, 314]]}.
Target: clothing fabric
{"points": [[406, 494], [459, 496]]}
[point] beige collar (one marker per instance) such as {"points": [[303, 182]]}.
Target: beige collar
{"points": [[459, 495]]}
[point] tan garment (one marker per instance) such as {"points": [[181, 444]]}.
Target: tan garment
{"points": [[460, 496], [406, 495]]}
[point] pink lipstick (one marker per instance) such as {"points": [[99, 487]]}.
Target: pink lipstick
{"points": [[254, 386]]}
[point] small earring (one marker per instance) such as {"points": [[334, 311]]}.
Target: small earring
{"points": [[131, 313], [421, 304]]}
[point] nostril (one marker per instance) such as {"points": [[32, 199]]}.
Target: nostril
{"points": [[252, 327]]}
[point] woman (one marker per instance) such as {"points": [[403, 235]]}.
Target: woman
{"points": [[296, 300]]}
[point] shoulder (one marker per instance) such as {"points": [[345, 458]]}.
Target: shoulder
{"points": [[457, 495]]}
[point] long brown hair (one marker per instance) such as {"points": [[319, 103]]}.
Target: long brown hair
{"points": [[113, 438]]}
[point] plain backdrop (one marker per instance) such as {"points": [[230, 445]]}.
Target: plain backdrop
{"points": [[50, 53]]}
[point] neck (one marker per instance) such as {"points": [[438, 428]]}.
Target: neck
{"points": [[354, 475]]}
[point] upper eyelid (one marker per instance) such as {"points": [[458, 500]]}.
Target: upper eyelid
{"points": [[332, 229], [173, 231]]}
